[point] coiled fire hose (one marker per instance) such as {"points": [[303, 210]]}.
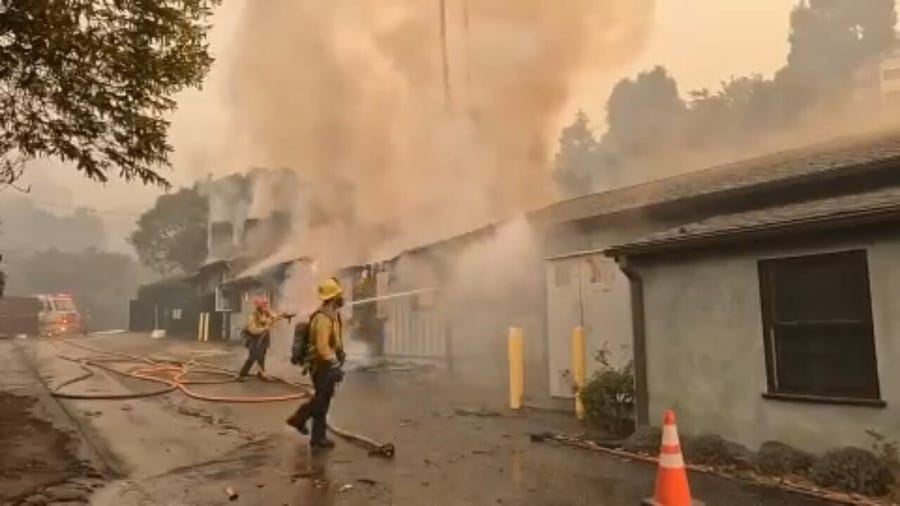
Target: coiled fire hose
{"points": [[174, 376]]}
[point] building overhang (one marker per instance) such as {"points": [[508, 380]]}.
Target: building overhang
{"points": [[682, 239]]}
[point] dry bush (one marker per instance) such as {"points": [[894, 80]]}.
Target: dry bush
{"points": [[777, 459], [853, 470]]}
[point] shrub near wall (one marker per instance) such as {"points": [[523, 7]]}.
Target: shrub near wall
{"points": [[608, 396], [853, 470]]}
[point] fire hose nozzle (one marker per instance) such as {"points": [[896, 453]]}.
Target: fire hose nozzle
{"points": [[386, 450]]}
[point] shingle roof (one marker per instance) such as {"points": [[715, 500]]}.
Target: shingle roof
{"points": [[884, 203], [812, 161]]}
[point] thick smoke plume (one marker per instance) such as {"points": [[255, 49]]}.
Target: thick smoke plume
{"points": [[351, 95]]}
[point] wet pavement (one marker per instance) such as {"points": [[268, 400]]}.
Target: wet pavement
{"points": [[455, 445], [43, 458]]}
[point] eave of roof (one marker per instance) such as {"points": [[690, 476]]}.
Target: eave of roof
{"points": [[816, 161], [827, 214]]}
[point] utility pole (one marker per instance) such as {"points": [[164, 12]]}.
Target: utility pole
{"points": [[465, 6], [442, 4]]}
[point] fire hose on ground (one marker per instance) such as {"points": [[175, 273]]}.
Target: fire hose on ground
{"points": [[173, 375]]}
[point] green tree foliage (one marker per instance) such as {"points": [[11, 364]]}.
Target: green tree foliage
{"points": [[831, 41], [574, 161], [171, 237], [102, 283], [642, 111], [91, 82]]}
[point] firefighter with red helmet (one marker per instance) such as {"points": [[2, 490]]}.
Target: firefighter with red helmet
{"points": [[256, 336]]}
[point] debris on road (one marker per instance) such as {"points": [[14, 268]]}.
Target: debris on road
{"points": [[346, 488], [299, 475], [367, 481], [540, 437], [232, 495], [480, 412], [66, 492]]}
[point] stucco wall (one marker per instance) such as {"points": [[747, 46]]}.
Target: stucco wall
{"points": [[705, 353]]}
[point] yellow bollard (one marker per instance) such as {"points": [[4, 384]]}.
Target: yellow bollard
{"points": [[578, 368], [200, 327], [516, 368], [205, 327]]}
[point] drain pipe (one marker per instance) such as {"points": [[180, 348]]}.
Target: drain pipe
{"points": [[639, 339]]}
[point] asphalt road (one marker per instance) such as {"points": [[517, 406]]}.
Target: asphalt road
{"points": [[455, 446]]}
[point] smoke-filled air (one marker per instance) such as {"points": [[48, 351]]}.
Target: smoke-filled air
{"points": [[352, 96]]}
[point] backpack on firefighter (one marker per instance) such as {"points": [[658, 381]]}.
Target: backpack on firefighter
{"points": [[302, 347]]}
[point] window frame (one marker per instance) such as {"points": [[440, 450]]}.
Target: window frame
{"points": [[767, 285]]}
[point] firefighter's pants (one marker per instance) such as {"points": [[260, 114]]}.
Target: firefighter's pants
{"points": [[257, 346], [324, 378]]}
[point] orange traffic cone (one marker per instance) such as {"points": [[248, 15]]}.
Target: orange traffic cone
{"points": [[671, 478]]}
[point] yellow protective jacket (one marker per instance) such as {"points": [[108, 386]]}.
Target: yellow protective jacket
{"points": [[260, 321], [326, 337]]}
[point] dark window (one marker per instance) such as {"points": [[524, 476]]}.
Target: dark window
{"points": [[817, 319]]}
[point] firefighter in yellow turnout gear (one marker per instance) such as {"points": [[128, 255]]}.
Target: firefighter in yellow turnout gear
{"points": [[326, 357], [256, 333]]}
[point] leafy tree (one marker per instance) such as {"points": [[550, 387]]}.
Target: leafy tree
{"points": [[831, 39], [742, 108], [91, 82], [576, 157], [642, 111], [171, 237]]}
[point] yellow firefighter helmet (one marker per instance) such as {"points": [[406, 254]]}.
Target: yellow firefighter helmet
{"points": [[329, 289]]}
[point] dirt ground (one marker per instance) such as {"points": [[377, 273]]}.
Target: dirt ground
{"points": [[38, 464], [455, 445], [35, 455]]}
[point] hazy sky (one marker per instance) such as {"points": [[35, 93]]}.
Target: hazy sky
{"points": [[701, 42]]}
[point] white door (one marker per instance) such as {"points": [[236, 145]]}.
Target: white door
{"points": [[606, 310], [563, 314]]}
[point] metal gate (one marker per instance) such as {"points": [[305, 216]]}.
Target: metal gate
{"points": [[414, 329]]}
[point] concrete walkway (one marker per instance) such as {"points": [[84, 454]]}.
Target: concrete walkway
{"points": [[455, 446]]}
